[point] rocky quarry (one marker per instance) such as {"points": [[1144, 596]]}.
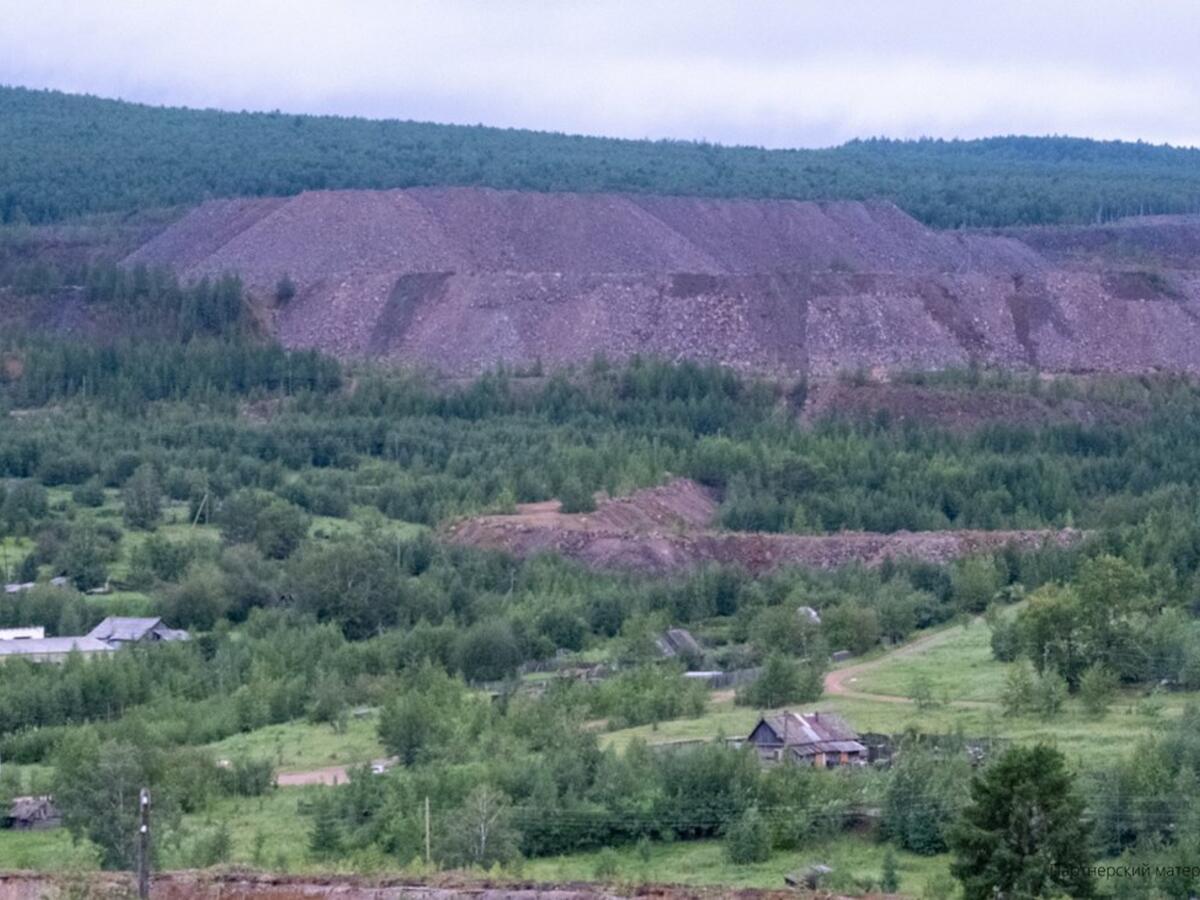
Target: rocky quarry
{"points": [[670, 529], [461, 280]]}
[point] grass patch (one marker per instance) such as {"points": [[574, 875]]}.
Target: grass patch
{"points": [[46, 851], [959, 668], [267, 832], [299, 746], [851, 857]]}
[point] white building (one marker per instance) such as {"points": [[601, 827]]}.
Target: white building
{"points": [[22, 634], [112, 634]]}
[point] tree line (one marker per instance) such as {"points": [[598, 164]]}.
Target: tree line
{"points": [[68, 155]]}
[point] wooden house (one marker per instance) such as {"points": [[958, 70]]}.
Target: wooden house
{"points": [[816, 739], [31, 814]]}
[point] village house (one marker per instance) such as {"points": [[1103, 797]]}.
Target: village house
{"points": [[112, 634], [31, 814], [822, 740]]}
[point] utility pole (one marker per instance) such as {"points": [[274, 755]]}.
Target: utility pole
{"points": [[143, 847], [428, 854]]}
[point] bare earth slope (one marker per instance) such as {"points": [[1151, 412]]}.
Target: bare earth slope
{"points": [[668, 529], [463, 279]]}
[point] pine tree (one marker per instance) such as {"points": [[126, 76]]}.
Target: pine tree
{"points": [[1023, 833], [889, 881], [325, 839]]}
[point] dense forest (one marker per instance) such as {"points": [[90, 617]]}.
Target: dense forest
{"points": [[63, 156], [284, 510]]}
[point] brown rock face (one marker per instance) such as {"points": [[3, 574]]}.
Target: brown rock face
{"points": [[668, 529], [463, 279]]}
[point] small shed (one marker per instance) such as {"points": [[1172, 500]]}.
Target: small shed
{"points": [[31, 814], [678, 642]]}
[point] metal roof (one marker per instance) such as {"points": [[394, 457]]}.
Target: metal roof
{"points": [[118, 628], [812, 728], [38, 647]]}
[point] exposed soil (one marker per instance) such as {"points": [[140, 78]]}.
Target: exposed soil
{"points": [[667, 529], [463, 279], [234, 885], [328, 775]]}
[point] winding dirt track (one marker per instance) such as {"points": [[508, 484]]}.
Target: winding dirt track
{"points": [[838, 682]]}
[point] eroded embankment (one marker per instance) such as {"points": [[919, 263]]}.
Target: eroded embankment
{"points": [[246, 886], [667, 529]]}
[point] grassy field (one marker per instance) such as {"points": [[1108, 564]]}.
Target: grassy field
{"points": [[268, 832], [45, 851], [960, 669], [856, 862], [298, 746], [272, 833]]}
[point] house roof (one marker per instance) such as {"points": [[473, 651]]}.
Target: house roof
{"points": [[119, 628], [675, 641], [794, 730], [37, 647], [31, 809]]}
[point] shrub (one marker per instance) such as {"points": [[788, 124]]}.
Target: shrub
{"points": [[285, 290], [1097, 687], [488, 651], [1049, 693], [142, 498], [1018, 694], [748, 840], [607, 865], [90, 493]]}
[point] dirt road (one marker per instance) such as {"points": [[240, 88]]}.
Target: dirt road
{"points": [[839, 682], [329, 775]]}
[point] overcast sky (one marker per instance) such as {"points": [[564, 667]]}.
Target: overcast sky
{"points": [[781, 73]]}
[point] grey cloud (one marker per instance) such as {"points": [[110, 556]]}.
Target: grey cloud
{"points": [[772, 72]]}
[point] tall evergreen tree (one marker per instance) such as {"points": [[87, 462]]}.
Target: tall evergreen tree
{"points": [[1023, 834]]}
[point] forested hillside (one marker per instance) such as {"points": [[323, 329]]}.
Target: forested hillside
{"points": [[63, 155]]}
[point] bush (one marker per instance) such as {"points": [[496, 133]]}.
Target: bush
{"points": [[1018, 694], [247, 777], [488, 651], [608, 865], [1049, 694], [576, 498], [924, 794], [748, 840], [142, 498], [90, 493], [1097, 687], [285, 290], [889, 880], [24, 504]]}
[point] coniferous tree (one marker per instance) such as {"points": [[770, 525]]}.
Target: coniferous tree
{"points": [[1023, 834]]}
